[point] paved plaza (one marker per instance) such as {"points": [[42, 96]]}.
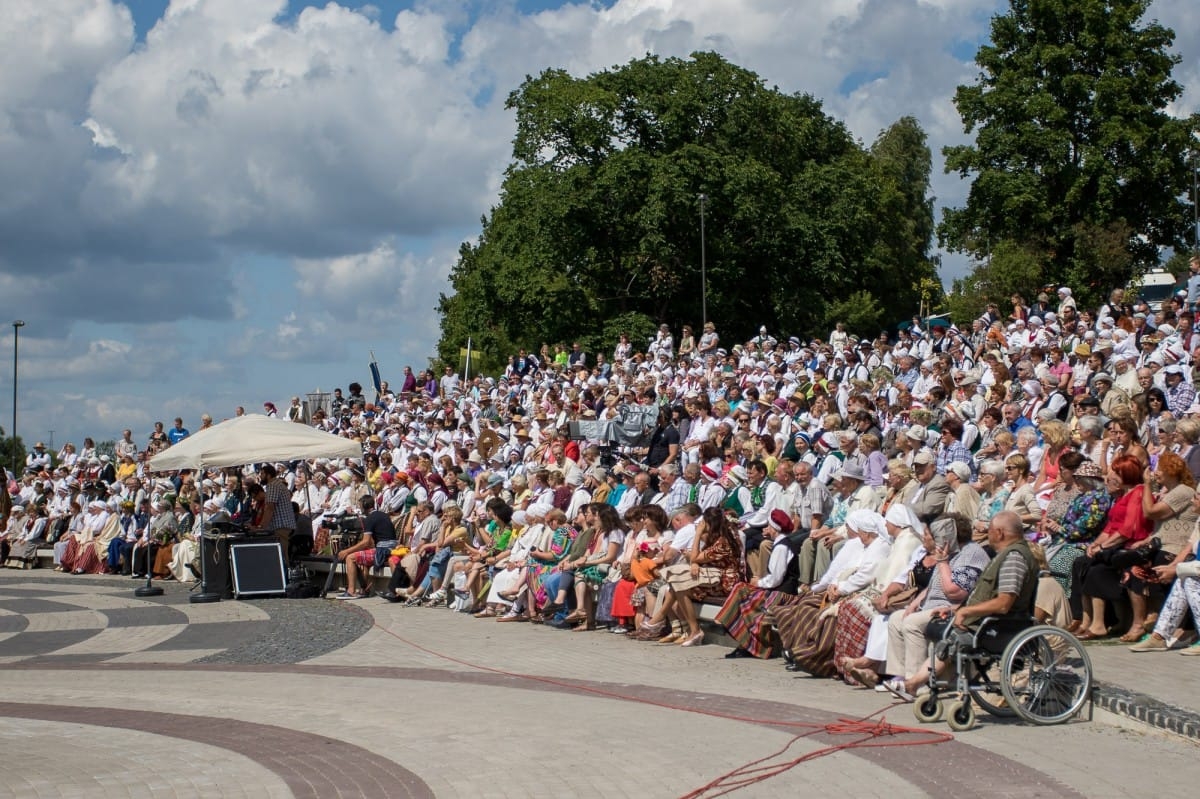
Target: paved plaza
{"points": [[103, 694]]}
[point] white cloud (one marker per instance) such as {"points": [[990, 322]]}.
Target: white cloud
{"points": [[293, 138], [376, 287]]}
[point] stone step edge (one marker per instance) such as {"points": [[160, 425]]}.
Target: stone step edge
{"points": [[1146, 710]]}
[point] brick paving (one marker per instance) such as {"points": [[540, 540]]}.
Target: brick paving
{"points": [[430, 703], [99, 767], [313, 767]]}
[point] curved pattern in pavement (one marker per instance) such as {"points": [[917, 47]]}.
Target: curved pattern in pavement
{"points": [[954, 768], [313, 766], [102, 623]]}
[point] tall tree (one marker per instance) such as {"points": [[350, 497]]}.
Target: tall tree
{"points": [[598, 225], [1074, 146]]}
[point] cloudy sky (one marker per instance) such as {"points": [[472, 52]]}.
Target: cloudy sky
{"points": [[212, 203]]}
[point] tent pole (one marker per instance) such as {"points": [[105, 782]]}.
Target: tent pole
{"points": [[204, 596]]}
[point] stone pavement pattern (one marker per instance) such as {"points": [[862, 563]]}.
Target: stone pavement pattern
{"points": [[317, 698]]}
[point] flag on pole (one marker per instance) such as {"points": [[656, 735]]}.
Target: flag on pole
{"points": [[464, 360], [375, 375]]}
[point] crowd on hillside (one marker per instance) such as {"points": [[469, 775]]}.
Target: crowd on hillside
{"points": [[832, 496]]}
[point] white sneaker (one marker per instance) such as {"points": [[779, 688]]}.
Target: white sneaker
{"points": [[1183, 640]]}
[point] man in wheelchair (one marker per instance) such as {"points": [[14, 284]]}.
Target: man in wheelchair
{"points": [[1006, 588]]}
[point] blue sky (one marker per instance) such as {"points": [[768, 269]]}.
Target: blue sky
{"points": [[147, 12], [243, 205]]}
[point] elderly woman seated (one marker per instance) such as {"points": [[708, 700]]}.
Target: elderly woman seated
{"points": [[87, 547], [508, 582], [993, 496], [945, 569], [863, 617], [1098, 575], [25, 532], [541, 567], [1065, 535], [807, 628]]}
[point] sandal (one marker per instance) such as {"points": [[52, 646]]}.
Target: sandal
{"points": [[486, 613], [655, 628], [671, 638], [1088, 635], [575, 615], [867, 677], [1132, 637]]}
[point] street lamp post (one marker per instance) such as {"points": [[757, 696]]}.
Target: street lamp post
{"points": [[17, 325], [703, 266], [1195, 207]]}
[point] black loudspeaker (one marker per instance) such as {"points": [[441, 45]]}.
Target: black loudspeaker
{"points": [[217, 575], [258, 569]]}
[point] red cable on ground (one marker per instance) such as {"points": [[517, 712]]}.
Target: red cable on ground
{"points": [[869, 732]]}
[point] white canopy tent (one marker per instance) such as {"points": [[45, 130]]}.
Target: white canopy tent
{"points": [[253, 438]]}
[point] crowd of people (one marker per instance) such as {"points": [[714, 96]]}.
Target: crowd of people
{"points": [[832, 496]]}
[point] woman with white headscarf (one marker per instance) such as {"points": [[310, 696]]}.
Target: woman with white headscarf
{"points": [[859, 616], [187, 549], [81, 556], [807, 628]]}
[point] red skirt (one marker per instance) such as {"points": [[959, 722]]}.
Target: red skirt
{"points": [[622, 608], [81, 558]]}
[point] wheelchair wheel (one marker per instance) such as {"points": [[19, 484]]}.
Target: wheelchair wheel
{"points": [[928, 709], [1046, 675], [960, 716], [987, 693]]}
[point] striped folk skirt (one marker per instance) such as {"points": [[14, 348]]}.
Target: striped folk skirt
{"points": [[808, 633], [744, 615], [82, 558]]}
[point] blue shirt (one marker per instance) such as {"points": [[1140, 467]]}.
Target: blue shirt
{"points": [[1020, 422], [176, 434]]}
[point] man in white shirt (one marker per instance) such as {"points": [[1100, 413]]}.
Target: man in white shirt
{"points": [[449, 383], [684, 524]]}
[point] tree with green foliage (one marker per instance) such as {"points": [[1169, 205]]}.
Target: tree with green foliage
{"points": [[12, 453], [597, 230], [1076, 160], [1011, 269]]}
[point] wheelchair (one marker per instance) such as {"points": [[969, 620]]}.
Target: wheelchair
{"points": [[1011, 666]]}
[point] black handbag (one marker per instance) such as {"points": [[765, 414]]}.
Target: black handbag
{"points": [[1123, 559]]}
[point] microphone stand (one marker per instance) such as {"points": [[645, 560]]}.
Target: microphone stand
{"points": [[205, 595], [149, 589]]}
